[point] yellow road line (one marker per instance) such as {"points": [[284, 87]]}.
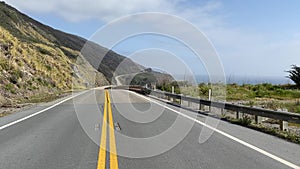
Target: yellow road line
{"points": [[112, 140], [102, 148]]}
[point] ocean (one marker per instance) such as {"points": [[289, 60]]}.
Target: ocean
{"points": [[240, 79]]}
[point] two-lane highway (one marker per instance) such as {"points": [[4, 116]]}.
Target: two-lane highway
{"points": [[57, 138]]}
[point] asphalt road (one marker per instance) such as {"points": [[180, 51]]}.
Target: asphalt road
{"points": [[68, 134]]}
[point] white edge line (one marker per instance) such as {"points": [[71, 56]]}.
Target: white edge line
{"points": [[283, 161], [41, 111]]}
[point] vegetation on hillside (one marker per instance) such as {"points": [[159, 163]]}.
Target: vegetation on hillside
{"points": [[150, 78], [27, 30], [37, 61], [35, 70], [143, 78]]}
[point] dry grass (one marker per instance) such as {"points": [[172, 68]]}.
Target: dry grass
{"points": [[30, 69]]}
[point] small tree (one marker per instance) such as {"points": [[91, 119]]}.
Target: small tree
{"points": [[294, 74]]}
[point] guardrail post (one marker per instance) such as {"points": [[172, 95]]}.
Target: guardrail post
{"points": [[209, 94], [209, 98], [238, 115], [173, 91], [180, 100], [200, 107], [258, 119], [189, 104], [283, 125]]}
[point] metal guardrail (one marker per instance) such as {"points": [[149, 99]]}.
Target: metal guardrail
{"points": [[258, 112]]}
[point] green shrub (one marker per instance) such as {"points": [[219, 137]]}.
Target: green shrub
{"points": [[10, 87], [245, 120]]}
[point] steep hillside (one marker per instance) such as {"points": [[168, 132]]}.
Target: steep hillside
{"points": [[32, 70], [35, 65], [37, 61], [28, 30]]}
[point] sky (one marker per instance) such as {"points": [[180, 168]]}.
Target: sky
{"points": [[253, 38]]}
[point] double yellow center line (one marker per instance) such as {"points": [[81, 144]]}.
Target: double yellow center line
{"points": [[112, 140]]}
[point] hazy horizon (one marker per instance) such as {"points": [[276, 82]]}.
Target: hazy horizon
{"points": [[230, 79]]}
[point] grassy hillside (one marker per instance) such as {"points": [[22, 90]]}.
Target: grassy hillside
{"points": [[25, 29], [37, 61], [32, 70], [35, 64]]}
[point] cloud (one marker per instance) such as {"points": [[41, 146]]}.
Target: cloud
{"points": [[242, 51], [254, 53], [78, 10]]}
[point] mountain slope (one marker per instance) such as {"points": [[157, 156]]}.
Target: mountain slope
{"points": [[32, 71], [22, 26], [37, 60]]}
